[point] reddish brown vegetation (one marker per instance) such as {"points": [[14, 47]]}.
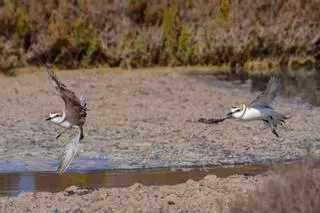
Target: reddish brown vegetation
{"points": [[296, 190], [138, 33]]}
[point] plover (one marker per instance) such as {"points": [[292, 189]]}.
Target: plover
{"points": [[72, 116], [259, 109]]}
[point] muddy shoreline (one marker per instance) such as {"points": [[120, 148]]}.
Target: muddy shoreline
{"points": [[207, 195], [145, 119], [210, 194]]}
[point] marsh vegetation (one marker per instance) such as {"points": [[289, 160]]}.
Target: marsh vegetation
{"points": [[142, 33]]}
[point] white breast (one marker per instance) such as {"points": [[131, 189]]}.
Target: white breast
{"points": [[256, 113], [65, 124], [59, 121]]}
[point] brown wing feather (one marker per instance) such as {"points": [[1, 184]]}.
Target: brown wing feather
{"points": [[55, 80], [73, 107]]}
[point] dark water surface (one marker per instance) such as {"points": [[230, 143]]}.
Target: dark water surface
{"points": [[12, 184]]}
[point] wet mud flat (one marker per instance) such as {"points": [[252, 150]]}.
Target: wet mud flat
{"points": [[145, 119]]}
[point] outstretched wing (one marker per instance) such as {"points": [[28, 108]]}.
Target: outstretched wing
{"points": [[265, 98], [72, 102], [55, 80], [69, 154]]}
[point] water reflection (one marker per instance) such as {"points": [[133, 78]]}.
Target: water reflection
{"points": [[26, 183], [11, 184], [7, 182]]}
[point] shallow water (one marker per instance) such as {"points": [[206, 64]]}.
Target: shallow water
{"points": [[12, 184]]}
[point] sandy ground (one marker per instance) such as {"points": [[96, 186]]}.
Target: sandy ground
{"points": [[144, 119], [210, 194]]}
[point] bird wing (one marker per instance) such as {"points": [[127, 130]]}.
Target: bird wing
{"points": [[69, 154], [55, 80], [267, 96], [73, 105], [83, 105]]}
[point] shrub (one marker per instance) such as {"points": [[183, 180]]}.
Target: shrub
{"points": [[295, 190], [175, 32]]}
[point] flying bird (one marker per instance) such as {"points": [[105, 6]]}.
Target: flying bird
{"points": [[72, 116], [259, 109]]}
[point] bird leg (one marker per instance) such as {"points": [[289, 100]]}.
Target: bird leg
{"points": [[272, 127], [81, 133], [275, 132], [62, 132], [266, 123]]}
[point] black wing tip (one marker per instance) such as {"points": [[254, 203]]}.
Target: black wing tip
{"points": [[44, 67], [41, 64], [53, 76]]}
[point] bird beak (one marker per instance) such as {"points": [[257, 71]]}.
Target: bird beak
{"points": [[48, 118]]}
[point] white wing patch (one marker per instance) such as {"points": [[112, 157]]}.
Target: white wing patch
{"points": [[69, 154], [83, 104]]}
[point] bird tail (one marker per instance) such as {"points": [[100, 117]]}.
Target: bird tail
{"points": [[70, 153], [274, 119], [278, 118]]}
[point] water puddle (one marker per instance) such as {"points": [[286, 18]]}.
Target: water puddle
{"points": [[12, 184]]}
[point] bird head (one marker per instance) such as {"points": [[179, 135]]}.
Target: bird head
{"points": [[55, 117], [236, 109]]}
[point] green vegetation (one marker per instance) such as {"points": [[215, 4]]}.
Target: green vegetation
{"points": [[142, 33]]}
